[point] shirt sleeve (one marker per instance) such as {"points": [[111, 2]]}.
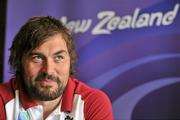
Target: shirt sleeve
{"points": [[98, 107]]}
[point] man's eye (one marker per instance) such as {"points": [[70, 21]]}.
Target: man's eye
{"points": [[37, 59], [59, 58]]}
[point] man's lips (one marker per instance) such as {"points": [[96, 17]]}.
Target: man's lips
{"points": [[48, 82]]}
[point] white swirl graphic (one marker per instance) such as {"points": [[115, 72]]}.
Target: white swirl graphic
{"points": [[124, 105], [105, 78]]}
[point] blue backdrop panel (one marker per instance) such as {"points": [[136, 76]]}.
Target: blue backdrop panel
{"points": [[130, 49]]}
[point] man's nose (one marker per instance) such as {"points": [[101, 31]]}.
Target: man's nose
{"points": [[48, 67]]}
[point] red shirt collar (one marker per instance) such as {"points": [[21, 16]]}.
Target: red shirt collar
{"points": [[67, 101]]}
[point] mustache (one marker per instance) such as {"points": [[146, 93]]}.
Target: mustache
{"points": [[43, 76]]}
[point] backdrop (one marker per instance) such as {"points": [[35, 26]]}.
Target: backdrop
{"points": [[127, 48]]}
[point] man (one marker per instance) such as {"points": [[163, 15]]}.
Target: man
{"points": [[42, 58]]}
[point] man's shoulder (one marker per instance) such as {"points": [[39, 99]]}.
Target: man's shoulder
{"points": [[7, 90], [96, 102], [5, 87], [89, 93]]}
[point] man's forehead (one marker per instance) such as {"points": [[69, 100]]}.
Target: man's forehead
{"points": [[56, 42]]}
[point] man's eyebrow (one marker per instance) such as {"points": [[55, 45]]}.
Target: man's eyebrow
{"points": [[40, 54], [60, 52], [35, 53]]}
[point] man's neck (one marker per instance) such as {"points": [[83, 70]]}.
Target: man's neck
{"points": [[49, 106]]}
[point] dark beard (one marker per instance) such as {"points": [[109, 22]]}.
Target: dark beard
{"points": [[37, 92]]}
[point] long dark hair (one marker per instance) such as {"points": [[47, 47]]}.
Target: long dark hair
{"points": [[32, 34]]}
